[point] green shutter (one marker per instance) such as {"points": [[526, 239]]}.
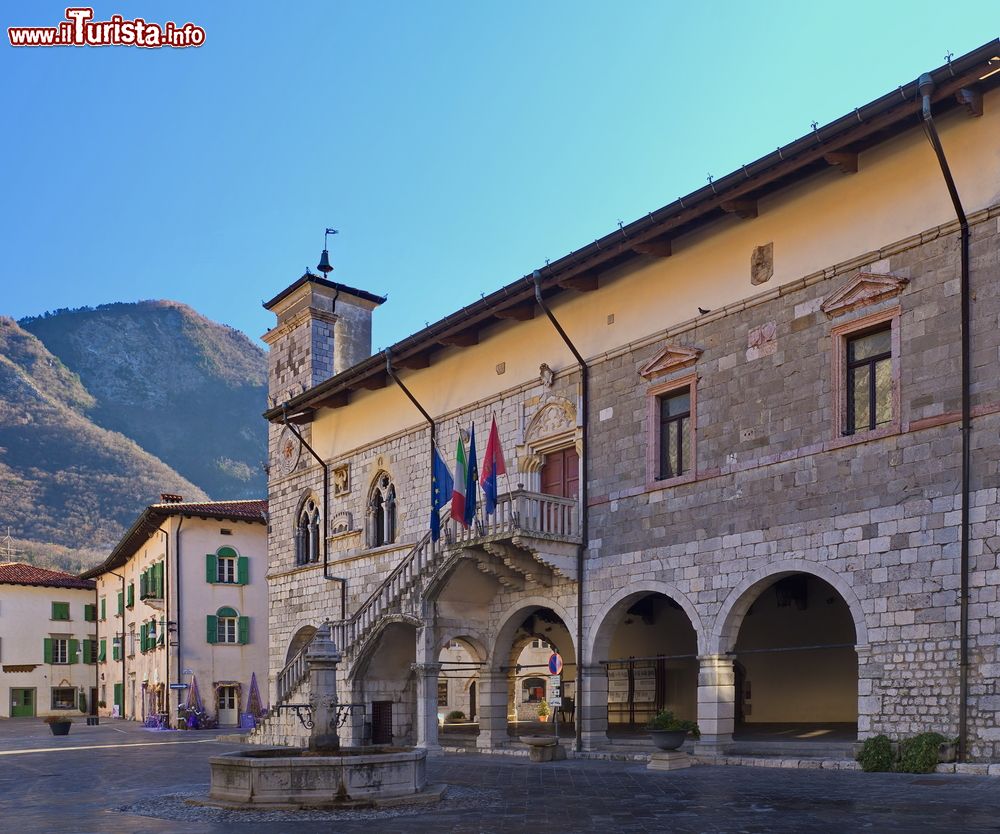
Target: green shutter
{"points": [[60, 610], [87, 651], [244, 632], [90, 612], [47, 651], [130, 601], [120, 698], [102, 653], [121, 603], [213, 628], [144, 637], [104, 608], [143, 586], [116, 649], [74, 651], [243, 570], [159, 580], [211, 568]]}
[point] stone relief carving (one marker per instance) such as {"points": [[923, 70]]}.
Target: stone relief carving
{"points": [[762, 264], [341, 523], [863, 289], [762, 341], [553, 425], [546, 375], [341, 480]]}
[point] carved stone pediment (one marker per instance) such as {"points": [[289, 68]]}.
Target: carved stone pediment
{"points": [[863, 289], [671, 358]]}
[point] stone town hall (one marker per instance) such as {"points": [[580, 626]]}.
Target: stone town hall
{"points": [[751, 444]]}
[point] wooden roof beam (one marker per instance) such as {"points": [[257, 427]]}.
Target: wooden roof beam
{"points": [[464, 338], [846, 161], [335, 400], [972, 100], [657, 248], [517, 312], [415, 361], [374, 382], [587, 282], [744, 207]]}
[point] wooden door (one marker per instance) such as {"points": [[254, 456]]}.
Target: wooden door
{"points": [[472, 701], [561, 473], [22, 703], [382, 722]]}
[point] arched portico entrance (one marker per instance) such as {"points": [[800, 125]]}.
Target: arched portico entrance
{"points": [[460, 660], [644, 657], [385, 682], [786, 666], [513, 686]]}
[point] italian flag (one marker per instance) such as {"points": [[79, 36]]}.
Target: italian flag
{"points": [[461, 476]]}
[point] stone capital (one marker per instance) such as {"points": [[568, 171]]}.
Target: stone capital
{"points": [[426, 669]]}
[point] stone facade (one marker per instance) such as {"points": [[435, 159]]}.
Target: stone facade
{"points": [[870, 522]]}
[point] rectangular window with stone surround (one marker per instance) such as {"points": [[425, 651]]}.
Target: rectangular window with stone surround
{"points": [[866, 377], [671, 432]]}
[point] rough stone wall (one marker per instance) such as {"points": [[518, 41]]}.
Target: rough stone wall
{"points": [[775, 491]]}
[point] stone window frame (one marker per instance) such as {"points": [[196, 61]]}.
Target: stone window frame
{"points": [[383, 502], [840, 335], [653, 395], [307, 531]]}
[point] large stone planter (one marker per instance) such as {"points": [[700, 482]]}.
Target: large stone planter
{"points": [[668, 739], [297, 778]]}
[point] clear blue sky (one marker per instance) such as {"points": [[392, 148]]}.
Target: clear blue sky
{"points": [[456, 145]]}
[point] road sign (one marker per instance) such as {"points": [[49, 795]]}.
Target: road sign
{"points": [[555, 663], [555, 680], [178, 686], [555, 701]]}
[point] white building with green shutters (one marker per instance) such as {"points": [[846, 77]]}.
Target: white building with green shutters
{"points": [[48, 642], [182, 601]]}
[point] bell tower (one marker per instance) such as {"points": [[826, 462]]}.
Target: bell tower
{"points": [[322, 328]]}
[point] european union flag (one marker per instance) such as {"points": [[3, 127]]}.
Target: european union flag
{"points": [[442, 485]]}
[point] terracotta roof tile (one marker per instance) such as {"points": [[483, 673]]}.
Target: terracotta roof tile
{"points": [[252, 510], [21, 573]]}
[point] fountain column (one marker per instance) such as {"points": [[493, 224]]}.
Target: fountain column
{"points": [[427, 721], [322, 658]]}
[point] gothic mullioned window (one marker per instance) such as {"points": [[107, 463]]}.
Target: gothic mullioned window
{"points": [[381, 515], [307, 534]]}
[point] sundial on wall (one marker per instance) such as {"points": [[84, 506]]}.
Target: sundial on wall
{"points": [[289, 450]]}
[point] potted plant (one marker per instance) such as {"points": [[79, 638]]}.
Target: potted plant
{"points": [[668, 732], [59, 724], [544, 711], [456, 716]]}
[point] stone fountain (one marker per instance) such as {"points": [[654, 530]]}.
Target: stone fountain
{"points": [[324, 774]]}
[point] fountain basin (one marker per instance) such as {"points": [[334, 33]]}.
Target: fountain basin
{"points": [[289, 778]]}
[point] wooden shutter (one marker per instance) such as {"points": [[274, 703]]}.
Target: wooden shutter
{"points": [[74, 651], [104, 608], [121, 603], [90, 613], [47, 650], [244, 630], [211, 568], [130, 601], [213, 628], [116, 649], [143, 585], [87, 651], [159, 580], [102, 654], [243, 570]]}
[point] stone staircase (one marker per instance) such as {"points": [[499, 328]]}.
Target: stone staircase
{"points": [[529, 539]]}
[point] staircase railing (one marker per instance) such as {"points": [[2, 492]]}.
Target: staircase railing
{"points": [[292, 675]]}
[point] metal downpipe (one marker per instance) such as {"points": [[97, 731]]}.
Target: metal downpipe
{"points": [[584, 509], [926, 87]]}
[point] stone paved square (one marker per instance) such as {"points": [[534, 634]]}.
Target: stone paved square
{"points": [[75, 784]]}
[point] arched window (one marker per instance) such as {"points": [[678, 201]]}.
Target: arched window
{"points": [[307, 534], [227, 625], [382, 512]]}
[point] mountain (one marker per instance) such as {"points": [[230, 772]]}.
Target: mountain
{"points": [[103, 409], [63, 480], [185, 388]]}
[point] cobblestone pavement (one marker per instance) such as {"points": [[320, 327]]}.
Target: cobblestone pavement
{"points": [[121, 778]]}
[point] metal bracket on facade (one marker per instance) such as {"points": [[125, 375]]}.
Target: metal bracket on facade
{"points": [[344, 711], [302, 711]]}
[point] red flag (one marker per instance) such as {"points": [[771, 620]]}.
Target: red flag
{"points": [[493, 465]]}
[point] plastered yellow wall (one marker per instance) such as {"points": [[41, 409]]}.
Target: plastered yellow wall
{"points": [[897, 192]]}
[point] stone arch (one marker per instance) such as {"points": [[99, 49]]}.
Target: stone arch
{"points": [[727, 623], [381, 510], [307, 528], [512, 618], [364, 651], [598, 638], [302, 638], [470, 638]]}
